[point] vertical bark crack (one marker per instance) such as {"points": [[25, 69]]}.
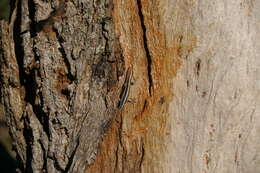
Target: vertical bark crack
{"points": [[70, 75], [32, 10], [147, 51], [44, 167], [142, 156], [28, 134], [71, 158], [25, 80], [28, 81], [120, 138], [19, 53]]}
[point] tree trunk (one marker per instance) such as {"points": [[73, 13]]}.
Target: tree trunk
{"points": [[194, 90]]}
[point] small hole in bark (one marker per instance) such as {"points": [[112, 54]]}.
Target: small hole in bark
{"points": [[197, 88], [198, 67], [162, 100], [188, 83], [204, 94], [65, 92]]}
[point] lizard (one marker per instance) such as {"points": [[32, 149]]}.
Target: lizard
{"points": [[126, 88]]}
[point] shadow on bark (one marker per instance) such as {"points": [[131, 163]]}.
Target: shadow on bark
{"points": [[8, 164]]}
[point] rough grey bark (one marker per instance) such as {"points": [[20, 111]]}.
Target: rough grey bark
{"points": [[59, 81]]}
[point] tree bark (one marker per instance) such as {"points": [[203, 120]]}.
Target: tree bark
{"points": [[61, 71], [194, 91]]}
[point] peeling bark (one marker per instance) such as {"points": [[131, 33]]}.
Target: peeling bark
{"points": [[201, 112]]}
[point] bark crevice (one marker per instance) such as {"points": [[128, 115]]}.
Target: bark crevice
{"points": [[44, 167], [69, 75], [146, 47], [18, 45], [33, 24], [71, 158], [142, 156], [28, 136]]}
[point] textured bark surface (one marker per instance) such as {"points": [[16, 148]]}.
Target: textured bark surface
{"points": [[61, 74], [195, 87]]}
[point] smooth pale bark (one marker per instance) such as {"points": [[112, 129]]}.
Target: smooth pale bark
{"points": [[214, 115], [194, 95]]}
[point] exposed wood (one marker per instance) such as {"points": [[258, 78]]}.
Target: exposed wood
{"points": [[201, 114]]}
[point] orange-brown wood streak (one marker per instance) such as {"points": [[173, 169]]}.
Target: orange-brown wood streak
{"points": [[134, 145]]}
